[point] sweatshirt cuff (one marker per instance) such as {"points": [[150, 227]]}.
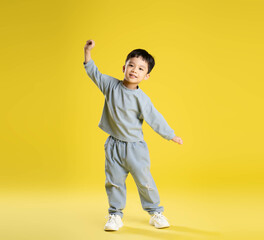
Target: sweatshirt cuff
{"points": [[88, 63], [171, 136]]}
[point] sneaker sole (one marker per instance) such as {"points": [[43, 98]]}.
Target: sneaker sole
{"points": [[153, 224], [167, 226], [112, 229]]}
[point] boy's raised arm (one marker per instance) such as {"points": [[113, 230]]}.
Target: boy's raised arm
{"points": [[102, 81]]}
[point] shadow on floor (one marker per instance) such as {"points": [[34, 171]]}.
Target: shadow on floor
{"points": [[193, 231], [173, 232]]}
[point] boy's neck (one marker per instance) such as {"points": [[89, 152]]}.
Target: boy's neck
{"points": [[132, 86]]}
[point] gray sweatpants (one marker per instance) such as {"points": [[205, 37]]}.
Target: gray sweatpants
{"points": [[120, 159]]}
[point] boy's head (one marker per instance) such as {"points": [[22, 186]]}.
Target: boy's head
{"points": [[144, 55], [138, 65]]}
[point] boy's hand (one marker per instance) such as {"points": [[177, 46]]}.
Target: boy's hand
{"points": [[87, 50], [177, 140], [89, 45]]}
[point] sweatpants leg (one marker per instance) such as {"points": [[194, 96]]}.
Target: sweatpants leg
{"points": [[138, 162], [120, 159], [116, 175]]}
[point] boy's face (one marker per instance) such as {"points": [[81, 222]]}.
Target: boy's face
{"points": [[136, 70]]}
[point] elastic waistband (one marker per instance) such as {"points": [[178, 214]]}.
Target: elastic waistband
{"points": [[118, 140]]}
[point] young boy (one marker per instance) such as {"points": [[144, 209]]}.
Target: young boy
{"points": [[125, 108]]}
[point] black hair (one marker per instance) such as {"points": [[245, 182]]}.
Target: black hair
{"points": [[145, 55]]}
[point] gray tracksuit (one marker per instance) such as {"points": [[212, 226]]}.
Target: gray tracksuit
{"points": [[125, 148]]}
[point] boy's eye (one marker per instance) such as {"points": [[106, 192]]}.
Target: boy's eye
{"points": [[141, 69], [131, 65]]}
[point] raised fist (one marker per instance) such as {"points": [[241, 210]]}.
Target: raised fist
{"points": [[89, 45]]}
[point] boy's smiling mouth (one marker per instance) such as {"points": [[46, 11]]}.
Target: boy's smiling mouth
{"points": [[132, 75]]}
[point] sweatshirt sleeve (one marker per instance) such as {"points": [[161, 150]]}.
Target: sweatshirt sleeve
{"points": [[102, 81], [156, 121]]}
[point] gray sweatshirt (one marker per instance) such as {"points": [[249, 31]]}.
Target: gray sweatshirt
{"points": [[125, 109]]}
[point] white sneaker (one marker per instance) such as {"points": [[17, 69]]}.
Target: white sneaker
{"points": [[114, 223], [159, 221]]}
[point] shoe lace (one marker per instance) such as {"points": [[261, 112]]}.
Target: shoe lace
{"points": [[111, 218], [159, 216]]}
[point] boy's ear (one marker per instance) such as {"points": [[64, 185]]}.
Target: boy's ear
{"points": [[146, 77], [124, 68]]}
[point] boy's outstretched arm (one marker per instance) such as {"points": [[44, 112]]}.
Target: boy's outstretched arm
{"points": [[157, 122]]}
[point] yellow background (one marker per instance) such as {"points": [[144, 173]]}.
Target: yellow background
{"points": [[207, 83]]}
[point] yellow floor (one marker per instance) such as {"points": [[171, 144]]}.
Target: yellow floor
{"points": [[79, 216]]}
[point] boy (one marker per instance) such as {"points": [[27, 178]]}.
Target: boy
{"points": [[125, 108]]}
